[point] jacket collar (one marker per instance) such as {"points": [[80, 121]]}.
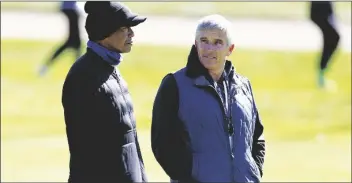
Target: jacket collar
{"points": [[111, 57]]}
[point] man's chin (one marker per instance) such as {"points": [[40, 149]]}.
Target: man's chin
{"points": [[126, 49], [129, 47], [210, 65]]}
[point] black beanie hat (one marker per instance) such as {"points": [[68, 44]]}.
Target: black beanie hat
{"points": [[105, 17]]}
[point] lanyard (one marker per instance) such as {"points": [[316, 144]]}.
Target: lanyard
{"points": [[228, 103]]}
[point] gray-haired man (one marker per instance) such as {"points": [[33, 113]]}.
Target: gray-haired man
{"points": [[205, 124]]}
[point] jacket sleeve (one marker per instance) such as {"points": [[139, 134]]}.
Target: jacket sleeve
{"points": [[168, 140], [258, 147], [90, 130]]}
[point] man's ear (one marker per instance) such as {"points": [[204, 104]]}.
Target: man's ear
{"points": [[195, 43], [231, 48]]}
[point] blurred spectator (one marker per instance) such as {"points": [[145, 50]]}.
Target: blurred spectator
{"points": [[70, 10], [322, 14]]}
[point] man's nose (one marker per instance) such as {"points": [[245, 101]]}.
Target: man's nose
{"points": [[210, 47], [130, 32]]}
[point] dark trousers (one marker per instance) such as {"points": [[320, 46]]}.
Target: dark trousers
{"points": [[73, 40], [321, 13]]}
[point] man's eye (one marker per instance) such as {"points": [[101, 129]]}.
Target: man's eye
{"points": [[218, 42]]}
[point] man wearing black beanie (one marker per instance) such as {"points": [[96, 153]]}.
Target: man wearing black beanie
{"points": [[99, 117]]}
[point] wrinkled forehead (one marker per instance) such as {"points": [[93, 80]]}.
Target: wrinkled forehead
{"points": [[212, 34]]}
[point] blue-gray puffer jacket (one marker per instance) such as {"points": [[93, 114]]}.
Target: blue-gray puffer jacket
{"points": [[190, 131]]}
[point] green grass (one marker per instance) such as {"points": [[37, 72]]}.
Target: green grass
{"points": [[307, 130], [266, 10]]}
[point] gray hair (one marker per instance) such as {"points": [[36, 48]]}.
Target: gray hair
{"points": [[215, 22]]}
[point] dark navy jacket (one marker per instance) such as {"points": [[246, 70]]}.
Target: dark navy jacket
{"points": [[100, 124], [190, 138]]}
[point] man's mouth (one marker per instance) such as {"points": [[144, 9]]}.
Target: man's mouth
{"points": [[209, 57]]}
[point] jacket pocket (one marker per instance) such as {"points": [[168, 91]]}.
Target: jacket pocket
{"points": [[131, 163], [254, 171], [252, 168]]}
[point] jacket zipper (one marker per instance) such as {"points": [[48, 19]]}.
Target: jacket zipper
{"points": [[232, 156], [123, 96]]}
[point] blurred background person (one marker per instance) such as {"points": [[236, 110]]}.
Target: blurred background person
{"points": [[322, 14], [70, 10]]}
